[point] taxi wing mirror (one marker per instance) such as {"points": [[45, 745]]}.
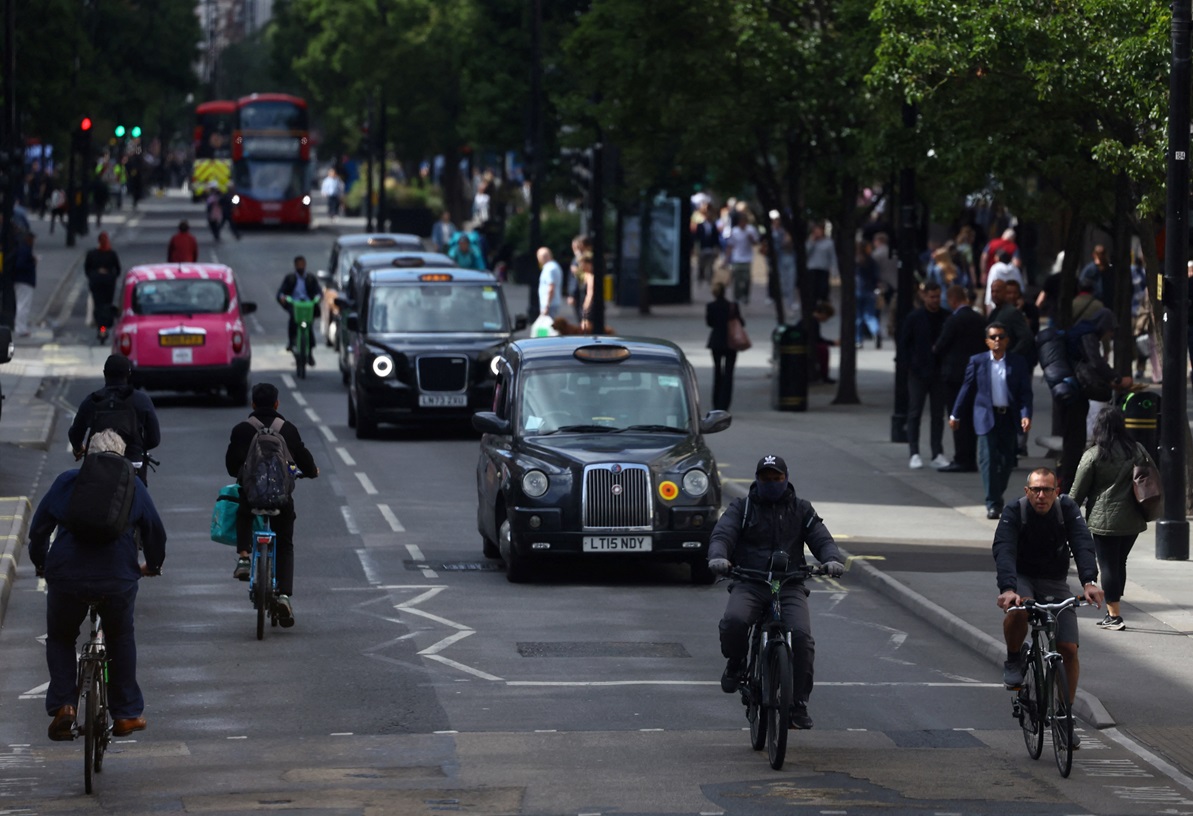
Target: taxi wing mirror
{"points": [[248, 307], [489, 422], [352, 321], [715, 422]]}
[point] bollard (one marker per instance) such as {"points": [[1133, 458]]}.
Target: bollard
{"points": [[1141, 414], [789, 382]]}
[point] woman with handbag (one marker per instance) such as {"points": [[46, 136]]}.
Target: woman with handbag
{"points": [[727, 338], [1105, 486]]}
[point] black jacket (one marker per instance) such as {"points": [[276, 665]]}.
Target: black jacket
{"points": [[717, 315], [963, 336], [242, 438], [787, 525], [151, 432], [919, 334], [314, 290], [1040, 549]]}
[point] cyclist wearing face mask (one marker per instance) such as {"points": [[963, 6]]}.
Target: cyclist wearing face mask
{"points": [[771, 518]]}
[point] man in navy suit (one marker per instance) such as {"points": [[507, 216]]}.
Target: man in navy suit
{"points": [[998, 386]]}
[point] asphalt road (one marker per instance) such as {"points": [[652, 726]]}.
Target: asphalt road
{"points": [[417, 680]]}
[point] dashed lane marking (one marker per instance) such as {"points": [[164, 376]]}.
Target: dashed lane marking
{"points": [[299, 399], [347, 457], [349, 522], [289, 382], [366, 483], [366, 564], [328, 434], [394, 524]]}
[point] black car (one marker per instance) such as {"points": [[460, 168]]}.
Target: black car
{"points": [[361, 266], [422, 341], [594, 447]]}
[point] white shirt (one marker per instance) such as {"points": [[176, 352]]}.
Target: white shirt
{"points": [[552, 274], [332, 186], [1000, 395], [740, 244], [1002, 271]]}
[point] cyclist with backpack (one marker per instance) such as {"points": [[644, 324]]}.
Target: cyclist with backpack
{"points": [[122, 408], [95, 509], [262, 452]]}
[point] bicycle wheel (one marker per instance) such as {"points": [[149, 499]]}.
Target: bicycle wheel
{"points": [[755, 710], [104, 735], [262, 594], [90, 723], [1031, 709], [300, 361], [1060, 716], [778, 711]]}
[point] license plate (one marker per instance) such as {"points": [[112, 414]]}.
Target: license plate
{"points": [[180, 339], [443, 400], [183, 356], [617, 543]]}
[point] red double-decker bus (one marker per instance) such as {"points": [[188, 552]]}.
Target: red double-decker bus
{"points": [[214, 123], [271, 161]]}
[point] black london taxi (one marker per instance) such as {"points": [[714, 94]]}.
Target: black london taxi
{"points": [[594, 447], [422, 342]]}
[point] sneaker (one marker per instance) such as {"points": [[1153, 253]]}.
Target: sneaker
{"points": [[800, 718], [241, 573], [1114, 622], [285, 612], [1012, 673], [940, 460], [1076, 740], [731, 677], [916, 462]]}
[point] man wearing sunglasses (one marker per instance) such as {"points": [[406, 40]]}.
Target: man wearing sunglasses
{"points": [[996, 397], [1031, 553]]}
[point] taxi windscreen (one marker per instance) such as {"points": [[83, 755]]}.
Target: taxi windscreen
{"points": [[189, 296], [436, 307], [604, 399]]}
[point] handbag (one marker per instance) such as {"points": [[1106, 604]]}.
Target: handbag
{"points": [[737, 338], [1145, 481]]}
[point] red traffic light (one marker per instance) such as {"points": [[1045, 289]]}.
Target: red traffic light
{"points": [[85, 124]]}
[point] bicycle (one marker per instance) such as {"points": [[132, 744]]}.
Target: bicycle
{"points": [[96, 728], [263, 573], [303, 312], [768, 687], [1042, 701]]}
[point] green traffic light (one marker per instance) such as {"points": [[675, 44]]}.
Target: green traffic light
{"points": [[136, 131], [120, 131]]}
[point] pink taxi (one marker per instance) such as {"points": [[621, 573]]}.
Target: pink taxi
{"points": [[182, 327]]}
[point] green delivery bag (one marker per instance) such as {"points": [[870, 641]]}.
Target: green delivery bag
{"points": [[223, 516]]}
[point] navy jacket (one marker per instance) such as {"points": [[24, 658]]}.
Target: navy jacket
{"points": [[151, 432], [69, 560], [787, 525], [963, 336], [1040, 549], [975, 390]]}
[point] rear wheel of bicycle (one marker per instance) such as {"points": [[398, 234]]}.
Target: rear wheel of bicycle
{"points": [[1060, 715], [90, 723], [263, 594], [778, 712], [300, 361], [1032, 708], [755, 709]]}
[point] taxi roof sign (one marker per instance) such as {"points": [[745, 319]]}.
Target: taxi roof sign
{"points": [[383, 242], [601, 354], [406, 262], [435, 277]]}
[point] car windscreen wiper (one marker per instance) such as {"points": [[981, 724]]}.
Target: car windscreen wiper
{"points": [[586, 428], [654, 429]]}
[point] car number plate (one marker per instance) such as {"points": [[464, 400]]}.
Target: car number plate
{"points": [[181, 339], [443, 400], [183, 356], [617, 544]]}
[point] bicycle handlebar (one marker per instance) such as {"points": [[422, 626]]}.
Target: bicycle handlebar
{"points": [[766, 576], [1030, 604]]}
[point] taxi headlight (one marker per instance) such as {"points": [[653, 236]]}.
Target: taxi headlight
{"points": [[235, 199], [695, 483], [383, 365], [534, 483], [306, 201]]}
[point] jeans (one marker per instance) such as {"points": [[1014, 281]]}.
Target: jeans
{"points": [[1112, 554], [747, 602], [741, 282], [997, 454], [867, 314], [283, 526], [918, 390], [66, 609], [722, 378]]}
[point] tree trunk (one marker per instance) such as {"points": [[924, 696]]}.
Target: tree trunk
{"points": [[1120, 262], [844, 232]]}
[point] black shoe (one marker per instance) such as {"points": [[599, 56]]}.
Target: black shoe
{"points": [[241, 573], [311, 361], [953, 467], [731, 678], [800, 718], [1012, 673], [993, 512]]}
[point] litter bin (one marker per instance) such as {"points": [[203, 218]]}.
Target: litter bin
{"points": [[1141, 413], [789, 383]]}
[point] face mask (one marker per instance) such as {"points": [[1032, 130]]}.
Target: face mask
{"points": [[772, 491]]}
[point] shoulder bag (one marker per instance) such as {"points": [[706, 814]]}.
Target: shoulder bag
{"points": [[737, 338], [1146, 483]]}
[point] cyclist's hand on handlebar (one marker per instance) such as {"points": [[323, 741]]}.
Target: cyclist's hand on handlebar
{"points": [[1008, 599], [1094, 595], [833, 569], [79, 453], [719, 566], [150, 572]]}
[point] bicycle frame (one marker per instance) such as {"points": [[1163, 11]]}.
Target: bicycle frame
{"points": [[96, 728], [303, 312], [264, 548]]}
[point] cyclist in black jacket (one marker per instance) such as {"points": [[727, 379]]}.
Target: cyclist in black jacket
{"points": [[1031, 552], [771, 518], [139, 429], [265, 409]]}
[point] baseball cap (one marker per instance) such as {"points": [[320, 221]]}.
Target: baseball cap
{"points": [[117, 366], [771, 462]]}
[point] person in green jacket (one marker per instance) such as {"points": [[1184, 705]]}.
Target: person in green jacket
{"points": [[1103, 485]]}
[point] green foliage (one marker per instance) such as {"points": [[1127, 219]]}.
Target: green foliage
{"points": [[559, 227], [396, 195]]}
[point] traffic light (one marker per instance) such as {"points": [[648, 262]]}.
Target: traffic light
{"points": [[136, 132], [120, 131], [81, 137]]}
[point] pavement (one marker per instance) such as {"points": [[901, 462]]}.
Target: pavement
{"points": [[919, 537]]}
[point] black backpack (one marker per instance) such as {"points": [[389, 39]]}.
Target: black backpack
{"points": [[102, 499], [265, 477], [114, 410]]}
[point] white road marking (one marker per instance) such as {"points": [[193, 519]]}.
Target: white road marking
{"points": [[327, 434], [349, 522], [466, 669], [445, 732], [436, 618], [314, 417], [347, 457], [289, 381], [394, 524], [415, 552], [366, 483], [1161, 765], [299, 399], [241, 737], [366, 564], [429, 573], [340, 734], [447, 641], [36, 692]]}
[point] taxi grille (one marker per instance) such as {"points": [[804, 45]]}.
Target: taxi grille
{"points": [[616, 497], [442, 373]]}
